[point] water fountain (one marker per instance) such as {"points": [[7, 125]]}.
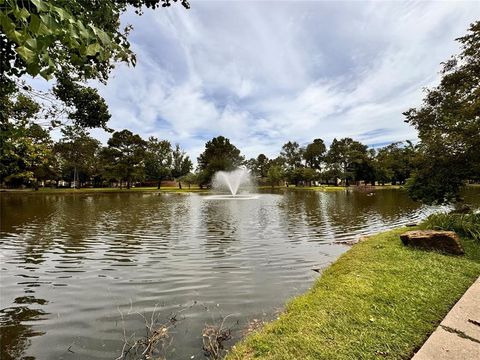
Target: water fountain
{"points": [[234, 182]]}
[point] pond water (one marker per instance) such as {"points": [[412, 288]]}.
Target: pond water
{"points": [[79, 273]]}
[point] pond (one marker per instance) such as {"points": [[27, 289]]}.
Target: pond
{"points": [[80, 273]]}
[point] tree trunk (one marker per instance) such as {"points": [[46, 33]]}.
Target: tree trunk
{"points": [[159, 184], [128, 184], [180, 185], [35, 185]]}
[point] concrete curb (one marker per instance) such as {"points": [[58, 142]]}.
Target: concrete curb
{"points": [[458, 336]]}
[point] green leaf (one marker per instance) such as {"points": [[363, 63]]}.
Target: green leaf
{"points": [[40, 5], [6, 23], [49, 22], [104, 38], [92, 49], [46, 74], [26, 54], [33, 68], [31, 43], [61, 13], [34, 23], [43, 29], [17, 36], [23, 14]]}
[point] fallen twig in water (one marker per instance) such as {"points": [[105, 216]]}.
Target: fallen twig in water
{"points": [[213, 339], [146, 348]]}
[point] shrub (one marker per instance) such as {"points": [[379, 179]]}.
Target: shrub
{"points": [[467, 225]]}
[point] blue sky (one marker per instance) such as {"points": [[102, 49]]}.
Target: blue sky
{"points": [[262, 73]]}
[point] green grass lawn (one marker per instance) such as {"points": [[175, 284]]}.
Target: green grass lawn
{"points": [[293, 187], [47, 190], [380, 300]]}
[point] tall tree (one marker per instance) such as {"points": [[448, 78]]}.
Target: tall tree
{"points": [[25, 146], [346, 156], [292, 153], [314, 154], [258, 166], [158, 160], [275, 174], [126, 151], [394, 163], [181, 164], [219, 154], [448, 124], [77, 152]]}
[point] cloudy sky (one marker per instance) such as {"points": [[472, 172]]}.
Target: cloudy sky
{"points": [[262, 73]]}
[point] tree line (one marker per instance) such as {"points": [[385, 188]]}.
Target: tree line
{"points": [[76, 41], [29, 156]]}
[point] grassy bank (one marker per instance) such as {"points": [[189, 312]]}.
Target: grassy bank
{"points": [[293, 187], [185, 189], [380, 300], [101, 190]]}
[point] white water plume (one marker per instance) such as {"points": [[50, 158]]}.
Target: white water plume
{"points": [[232, 180]]}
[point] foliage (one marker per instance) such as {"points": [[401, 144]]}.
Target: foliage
{"points": [[78, 153], [275, 174], [189, 179], [371, 303], [158, 159], [78, 36], [467, 225], [86, 107], [219, 154], [314, 154], [258, 166], [181, 164], [292, 154], [25, 146], [73, 41], [346, 156], [126, 152], [448, 125]]}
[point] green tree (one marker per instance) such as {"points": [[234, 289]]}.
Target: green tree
{"points": [[190, 179], [258, 166], [275, 174], [25, 146], [219, 155], [126, 153], [314, 154], [448, 125], [158, 160], [292, 153], [181, 164], [345, 157], [77, 152], [309, 175], [394, 163]]}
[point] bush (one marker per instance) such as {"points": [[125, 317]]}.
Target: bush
{"points": [[467, 225]]}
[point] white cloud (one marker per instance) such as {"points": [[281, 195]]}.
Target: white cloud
{"points": [[263, 73]]}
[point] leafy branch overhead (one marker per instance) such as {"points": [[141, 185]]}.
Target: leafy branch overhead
{"points": [[73, 41], [448, 124], [82, 37]]}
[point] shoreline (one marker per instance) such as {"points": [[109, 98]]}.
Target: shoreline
{"points": [[196, 189], [379, 299]]}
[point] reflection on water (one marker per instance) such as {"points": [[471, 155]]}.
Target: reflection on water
{"points": [[72, 264]]}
